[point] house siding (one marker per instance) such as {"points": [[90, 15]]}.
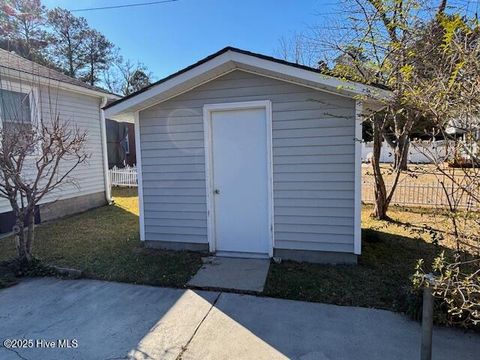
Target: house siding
{"points": [[84, 112], [313, 163]]}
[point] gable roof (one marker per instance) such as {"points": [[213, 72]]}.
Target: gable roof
{"points": [[229, 59], [15, 64]]}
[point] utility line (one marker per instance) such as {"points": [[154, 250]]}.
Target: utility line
{"points": [[125, 5]]}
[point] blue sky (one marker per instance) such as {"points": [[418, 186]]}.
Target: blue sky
{"points": [[170, 36]]}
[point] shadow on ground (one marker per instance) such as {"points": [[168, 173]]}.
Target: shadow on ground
{"points": [[382, 278], [123, 321], [104, 244]]}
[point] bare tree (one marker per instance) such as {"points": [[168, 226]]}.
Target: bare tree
{"points": [[295, 49], [126, 77], [457, 277], [451, 95], [375, 46], [37, 156]]}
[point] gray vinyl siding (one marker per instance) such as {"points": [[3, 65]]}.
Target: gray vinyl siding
{"points": [[84, 112], [313, 163]]}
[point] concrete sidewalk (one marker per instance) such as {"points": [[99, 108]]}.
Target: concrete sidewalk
{"points": [[220, 273], [123, 321]]}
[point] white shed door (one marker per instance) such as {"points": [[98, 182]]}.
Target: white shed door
{"points": [[240, 181]]}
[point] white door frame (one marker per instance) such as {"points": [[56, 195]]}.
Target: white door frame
{"points": [[207, 128]]}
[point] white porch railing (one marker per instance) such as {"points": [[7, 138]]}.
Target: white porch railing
{"points": [[126, 176]]}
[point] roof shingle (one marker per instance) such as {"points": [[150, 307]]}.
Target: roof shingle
{"points": [[12, 61]]}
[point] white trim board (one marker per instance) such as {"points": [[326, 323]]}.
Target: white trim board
{"points": [[138, 150], [207, 116], [103, 134], [357, 244]]}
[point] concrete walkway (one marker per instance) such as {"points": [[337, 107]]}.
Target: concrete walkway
{"points": [[219, 273], [122, 321]]}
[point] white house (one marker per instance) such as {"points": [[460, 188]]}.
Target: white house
{"points": [[42, 92], [245, 155]]}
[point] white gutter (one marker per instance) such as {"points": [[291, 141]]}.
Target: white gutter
{"points": [[108, 192]]}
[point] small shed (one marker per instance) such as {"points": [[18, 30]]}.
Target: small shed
{"points": [[120, 143], [242, 154]]}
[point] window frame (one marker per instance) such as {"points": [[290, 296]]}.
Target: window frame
{"points": [[30, 90], [33, 98]]}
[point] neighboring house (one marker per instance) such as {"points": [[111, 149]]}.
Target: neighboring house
{"points": [[42, 92], [469, 134], [462, 128], [245, 155], [120, 143]]}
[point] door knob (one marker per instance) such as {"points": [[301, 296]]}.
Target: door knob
{"points": [[216, 192]]}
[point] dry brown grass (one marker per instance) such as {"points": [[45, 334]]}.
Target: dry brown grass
{"points": [[382, 278], [426, 174], [422, 185]]}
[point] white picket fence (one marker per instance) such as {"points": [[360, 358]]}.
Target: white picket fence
{"points": [[126, 176], [429, 195]]}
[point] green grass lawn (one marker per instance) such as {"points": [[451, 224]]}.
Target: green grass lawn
{"points": [[105, 244]]}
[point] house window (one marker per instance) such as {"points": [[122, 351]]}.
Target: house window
{"points": [[16, 115], [15, 110]]}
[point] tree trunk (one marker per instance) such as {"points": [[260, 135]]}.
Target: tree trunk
{"points": [[21, 249], [401, 154], [30, 232], [23, 254], [381, 203], [92, 73]]}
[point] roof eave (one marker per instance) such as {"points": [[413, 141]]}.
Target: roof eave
{"points": [[41, 80], [228, 60]]}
